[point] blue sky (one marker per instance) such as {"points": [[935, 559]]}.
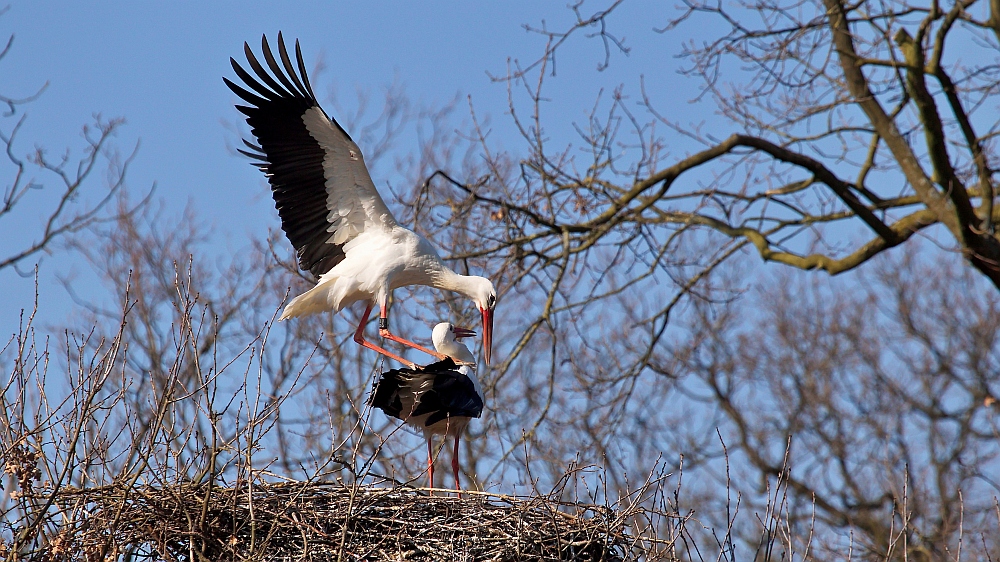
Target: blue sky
{"points": [[160, 67]]}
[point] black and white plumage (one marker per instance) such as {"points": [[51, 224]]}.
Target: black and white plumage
{"points": [[439, 399], [341, 229]]}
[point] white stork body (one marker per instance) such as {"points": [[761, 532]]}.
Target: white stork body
{"points": [[341, 229], [404, 258], [439, 399]]}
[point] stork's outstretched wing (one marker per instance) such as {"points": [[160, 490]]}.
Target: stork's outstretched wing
{"points": [[321, 187]]}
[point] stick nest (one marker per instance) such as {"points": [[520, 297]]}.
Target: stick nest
{"points": [[329, 521]]}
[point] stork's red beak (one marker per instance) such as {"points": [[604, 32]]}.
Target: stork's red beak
{"points": [[463, 333], [487, 333]]}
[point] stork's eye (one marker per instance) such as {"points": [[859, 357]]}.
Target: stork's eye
{"points": [[490, 301]]}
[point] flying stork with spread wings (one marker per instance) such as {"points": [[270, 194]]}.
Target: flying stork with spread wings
{"points": [[341, 229]]}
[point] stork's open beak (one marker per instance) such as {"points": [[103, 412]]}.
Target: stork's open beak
{"points": [[487, 333], [463, 333]]}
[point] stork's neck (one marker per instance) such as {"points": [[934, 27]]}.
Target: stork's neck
{"points": [[456, 351], [448, 280]]}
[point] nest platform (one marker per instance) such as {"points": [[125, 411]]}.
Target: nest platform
{"points": [[311, 521]]}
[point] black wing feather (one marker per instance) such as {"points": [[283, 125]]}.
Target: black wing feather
{"points": [[453, 394], [263, 74], [264, 94], [290, 70], [277, 70], [385, 396], [303, 73], [288, 155], [246, 96]]}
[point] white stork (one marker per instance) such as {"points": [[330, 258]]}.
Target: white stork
{"points": [[438, 399], [330, 210]]}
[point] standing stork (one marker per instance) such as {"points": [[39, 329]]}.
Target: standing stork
{"points": [[331, 212], [440, 398]]}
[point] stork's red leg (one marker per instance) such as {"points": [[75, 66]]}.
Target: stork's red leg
{"points": [[430, 464], [454, 466], [383, 330], [359, 337]]}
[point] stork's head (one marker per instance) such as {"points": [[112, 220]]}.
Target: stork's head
{"points": [[484, 294], [446, 336]]}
